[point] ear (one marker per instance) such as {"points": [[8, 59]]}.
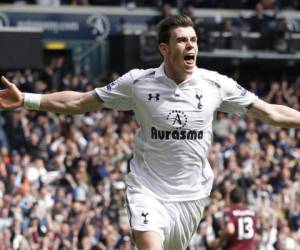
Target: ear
{"points": [[163, 49]]}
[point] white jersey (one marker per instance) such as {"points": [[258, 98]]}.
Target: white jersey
{"points": [[170, 159]]}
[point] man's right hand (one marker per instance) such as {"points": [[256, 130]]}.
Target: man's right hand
{"points": [[10, 97]]}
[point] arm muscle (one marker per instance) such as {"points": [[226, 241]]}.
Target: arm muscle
{"points": [[277, 115], [70, 102]]}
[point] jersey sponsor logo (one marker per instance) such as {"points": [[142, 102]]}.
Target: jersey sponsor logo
{"points": [[243, 90], [177, 118], [176, 134], [145, 217], [153, 96]]}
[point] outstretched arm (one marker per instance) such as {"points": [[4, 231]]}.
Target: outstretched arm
{"points": [[66, 102], [276, 115], [70, 102]]}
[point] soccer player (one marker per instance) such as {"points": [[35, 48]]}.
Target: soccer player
{"points": [[175, 104], [239, 227]]}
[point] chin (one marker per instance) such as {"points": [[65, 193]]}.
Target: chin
{"points": [[190, 69]]}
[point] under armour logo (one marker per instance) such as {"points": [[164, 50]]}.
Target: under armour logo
{"points": [[199, 97], [156, 96], [145, 215]]}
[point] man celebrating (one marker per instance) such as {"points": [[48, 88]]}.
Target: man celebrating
{"points": [[174, 104]]}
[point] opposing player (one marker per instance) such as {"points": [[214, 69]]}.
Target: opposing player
{"points": [[239, 227], [174, 104]]}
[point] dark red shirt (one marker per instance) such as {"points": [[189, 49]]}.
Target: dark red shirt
{"points": [[245, 225]]}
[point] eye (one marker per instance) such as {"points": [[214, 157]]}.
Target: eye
{"points": [[181, 39], [194, 39]]}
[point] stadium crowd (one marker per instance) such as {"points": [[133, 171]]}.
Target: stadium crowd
{"points": [[229, 4], [62, 178]]}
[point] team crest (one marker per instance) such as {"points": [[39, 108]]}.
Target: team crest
{"points": [[145, 217], [199, 98]]}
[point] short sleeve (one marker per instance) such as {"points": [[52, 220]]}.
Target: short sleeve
{"points": [[236, 99], [117, 94]]}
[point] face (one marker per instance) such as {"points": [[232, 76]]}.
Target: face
{"points": [[180, 53]]}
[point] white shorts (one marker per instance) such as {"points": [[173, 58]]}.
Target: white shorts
{"points": [[175, 222]]}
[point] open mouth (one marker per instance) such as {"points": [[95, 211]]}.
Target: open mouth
{"points": [[189, 59]]}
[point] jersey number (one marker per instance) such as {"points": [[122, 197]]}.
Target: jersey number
{"points": [[245, 228]]}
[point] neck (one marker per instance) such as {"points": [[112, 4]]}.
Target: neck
{"points": [[177, 76]]}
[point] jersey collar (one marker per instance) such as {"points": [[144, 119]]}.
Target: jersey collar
{"points": [[160, 73]]}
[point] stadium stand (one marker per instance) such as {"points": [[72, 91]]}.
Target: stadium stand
{"points": [[62, 177]]}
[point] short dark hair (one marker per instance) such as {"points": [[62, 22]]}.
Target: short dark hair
{"points": [[171, 22], [237, 195]]}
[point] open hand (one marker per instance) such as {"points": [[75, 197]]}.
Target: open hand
{"points": [[10, 97]]}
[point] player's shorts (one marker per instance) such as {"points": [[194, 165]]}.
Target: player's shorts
{"points": [[175, 222]]}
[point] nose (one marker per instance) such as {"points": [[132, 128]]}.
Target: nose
{"points": [[189, 44]]}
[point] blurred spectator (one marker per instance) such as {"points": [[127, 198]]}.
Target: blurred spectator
{"points": [[166, 9], [222, 126], [230, 36], [271, 5], [189, 10], [268, 231], [265, 24], [282, 41]]}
